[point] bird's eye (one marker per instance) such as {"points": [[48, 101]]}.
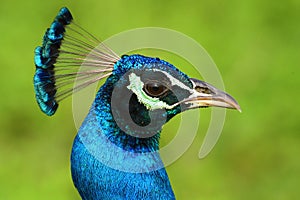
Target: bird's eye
{"points": [[155, 89], [203, 90]]}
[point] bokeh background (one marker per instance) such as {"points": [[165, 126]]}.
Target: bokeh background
{"points": [[254, 43]]}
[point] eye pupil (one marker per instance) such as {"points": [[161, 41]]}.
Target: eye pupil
{"points": [[155, 89]]}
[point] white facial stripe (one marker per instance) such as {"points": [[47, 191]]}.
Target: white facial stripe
{"points": [[197, 94], [152, 103], [175, 81]]}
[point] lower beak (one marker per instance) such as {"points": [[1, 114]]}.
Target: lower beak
{"points": [[205, 95]]}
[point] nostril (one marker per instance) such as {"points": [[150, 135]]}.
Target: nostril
{"points": [[203, 90]]}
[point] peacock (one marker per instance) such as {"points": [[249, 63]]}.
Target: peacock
{"points": [[115, 154]]}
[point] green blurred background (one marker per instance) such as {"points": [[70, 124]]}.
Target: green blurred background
{"points": [[254, 43]]}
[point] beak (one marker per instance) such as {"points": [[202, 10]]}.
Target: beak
{"points": [[205, 95]]}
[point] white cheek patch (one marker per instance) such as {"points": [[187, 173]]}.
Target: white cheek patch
{"points": [[151, 103]]}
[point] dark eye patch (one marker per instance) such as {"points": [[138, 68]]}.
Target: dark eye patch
{"points": [[169, 93], [156, 84]]}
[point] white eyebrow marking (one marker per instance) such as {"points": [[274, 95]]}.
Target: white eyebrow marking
{"points": [[175, 81]]}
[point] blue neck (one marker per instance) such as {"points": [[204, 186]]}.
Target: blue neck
{"points": [[107, 163]]}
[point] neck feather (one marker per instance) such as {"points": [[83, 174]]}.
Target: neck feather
{"points": [[108, 163]]}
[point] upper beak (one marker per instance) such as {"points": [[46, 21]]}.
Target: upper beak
{"points": [[205, 95]]}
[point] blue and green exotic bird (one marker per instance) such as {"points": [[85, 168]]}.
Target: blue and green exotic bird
{"points": [[115, 154]]}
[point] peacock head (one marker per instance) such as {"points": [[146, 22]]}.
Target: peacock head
{"points": [[147, 92], [143, 93]]}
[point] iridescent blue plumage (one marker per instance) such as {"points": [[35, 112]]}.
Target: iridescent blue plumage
{"points": [[94, 178], [44, 87], [115, 154], [45, 58]]}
